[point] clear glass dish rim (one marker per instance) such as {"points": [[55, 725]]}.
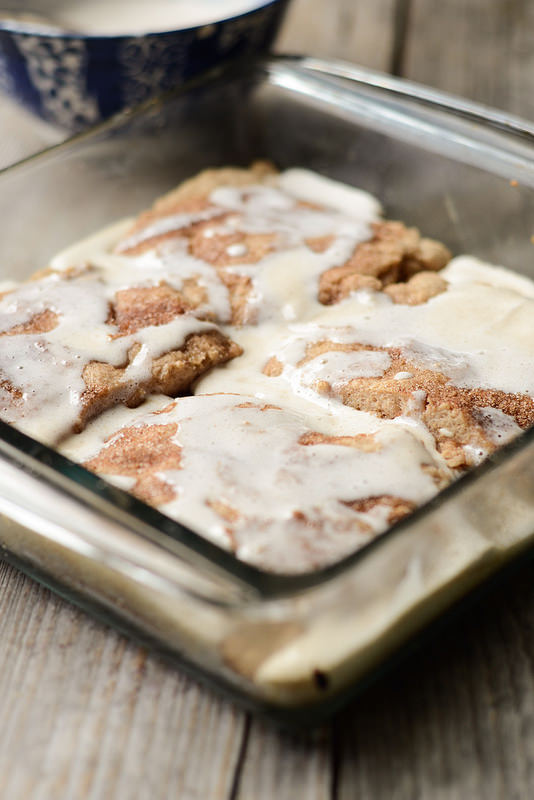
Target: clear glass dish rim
{"points": [[116, 504]]}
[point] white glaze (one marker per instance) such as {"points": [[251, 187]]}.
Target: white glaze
{"points": [[499, 427], [47, 367], [250, 459], [490, 345]]}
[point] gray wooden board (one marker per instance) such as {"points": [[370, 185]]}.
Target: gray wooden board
{"points": [[354, 30], [483, 49], [86, 714]]}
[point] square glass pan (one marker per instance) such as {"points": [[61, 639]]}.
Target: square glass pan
{"points": [[294, 646]]}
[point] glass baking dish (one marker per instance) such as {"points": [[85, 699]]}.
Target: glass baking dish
{"points": [[294, 646]]}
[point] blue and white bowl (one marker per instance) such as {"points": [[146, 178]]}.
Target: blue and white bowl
{"points": [[76, 80]]}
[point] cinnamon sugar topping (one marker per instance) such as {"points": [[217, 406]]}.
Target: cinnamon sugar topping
{"points": [[339, 369]]}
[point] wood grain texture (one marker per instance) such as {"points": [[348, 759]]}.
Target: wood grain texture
{"points": [[355, 30], [456, 720], [87, 715], [279, 765], [483, 49]]}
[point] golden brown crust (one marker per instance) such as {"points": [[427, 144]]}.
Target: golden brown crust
{"points": [[397, 506], [220, 249], [394, 254], [429, 255], [225, 511], [366, 442], [205, 182], [418, 289], [395, 260], [153, 242], [9, 391], [320, 243], [239, 287], [141, 453], [172, 374], [42, 322], [264, 407], [140, 307], [217, 250], [192, 196], [273, 368], [451, 413]]}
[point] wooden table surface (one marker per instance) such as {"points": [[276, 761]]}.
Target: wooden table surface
{"points": [[87, 714]]}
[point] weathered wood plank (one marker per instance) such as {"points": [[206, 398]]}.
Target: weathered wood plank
{"points": [[279, 765], [87, 714], [483, 49], [355, 30], [456, 721]]}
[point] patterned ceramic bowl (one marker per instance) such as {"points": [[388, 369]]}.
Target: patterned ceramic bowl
{"points": [[77, 80]]}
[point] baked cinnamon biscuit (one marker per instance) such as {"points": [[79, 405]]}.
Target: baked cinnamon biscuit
{"points": [[353, 368], [467, 424], [69, 350], [253, 477], [236, 223]]}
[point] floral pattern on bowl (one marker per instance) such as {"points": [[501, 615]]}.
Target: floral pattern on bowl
{"points": [[76, 81]]}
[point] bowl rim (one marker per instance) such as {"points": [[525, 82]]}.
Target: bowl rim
{"points": [[26, 29]]}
